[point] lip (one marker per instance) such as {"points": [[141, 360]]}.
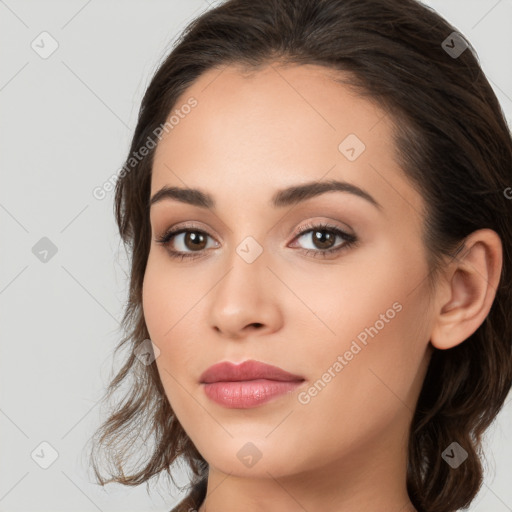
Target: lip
{"points": [[248, 370], [246, 385]]}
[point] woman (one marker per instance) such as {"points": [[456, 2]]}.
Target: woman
{"points": [[341, 338]]}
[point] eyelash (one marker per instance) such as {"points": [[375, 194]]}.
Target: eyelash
{"points": [[350, 240]]}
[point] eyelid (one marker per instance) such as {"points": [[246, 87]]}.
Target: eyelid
{"points": [[329, 224], [191, 225], [309, 224]]}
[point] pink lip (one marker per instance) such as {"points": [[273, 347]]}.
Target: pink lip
{"points": [[248, 384]]}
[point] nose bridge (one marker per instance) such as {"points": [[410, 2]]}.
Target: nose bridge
{"points": [[244, 295], [246, 276]]}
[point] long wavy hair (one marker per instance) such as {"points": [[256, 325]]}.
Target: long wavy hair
{"points": [[452, 142]]}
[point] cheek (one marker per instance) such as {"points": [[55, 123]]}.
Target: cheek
{"points": [[166, 298], [357, 391], [161, 307], [362, 295], [170, 307], [378, 365], [375, 318], [154, 304]]}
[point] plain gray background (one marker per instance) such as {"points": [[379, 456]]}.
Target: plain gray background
{"points": [[66, 124]]}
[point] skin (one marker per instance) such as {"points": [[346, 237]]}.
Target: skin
{"points": [[249, 136]]}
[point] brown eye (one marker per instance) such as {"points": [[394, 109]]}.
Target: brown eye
{"points": [[323, 239], [194, 240], [182, 243]]}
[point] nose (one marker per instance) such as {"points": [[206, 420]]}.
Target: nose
{"points": [[245, 300]]}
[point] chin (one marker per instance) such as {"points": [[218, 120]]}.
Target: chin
{"points": [[256, 457]]}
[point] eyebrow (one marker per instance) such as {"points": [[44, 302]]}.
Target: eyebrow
{"points": [[285, 197]]}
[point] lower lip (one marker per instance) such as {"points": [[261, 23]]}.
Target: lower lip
{"points": [[247, 393]]}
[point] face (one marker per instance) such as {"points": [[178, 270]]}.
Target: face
{"points": [[328, 286]]}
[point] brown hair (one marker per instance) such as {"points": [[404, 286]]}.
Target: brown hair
{"points": [[452, 142]]}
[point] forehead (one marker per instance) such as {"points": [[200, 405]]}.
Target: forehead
{"points": [[274, 127]]}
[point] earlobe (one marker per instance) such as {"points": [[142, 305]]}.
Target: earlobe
{"points": [[468, 289]]}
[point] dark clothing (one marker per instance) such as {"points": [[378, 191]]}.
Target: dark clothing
{"points": [[194, 498]]}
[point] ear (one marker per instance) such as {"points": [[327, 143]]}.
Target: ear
{"points": [[467, 289]]}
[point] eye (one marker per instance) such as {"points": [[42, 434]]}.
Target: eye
{"points": [[322, 237], [195, 240]]}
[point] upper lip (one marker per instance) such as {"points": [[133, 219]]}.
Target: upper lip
{"points": [[248, 370]]}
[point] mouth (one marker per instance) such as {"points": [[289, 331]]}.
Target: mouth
{"points": [[247, 385]]}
